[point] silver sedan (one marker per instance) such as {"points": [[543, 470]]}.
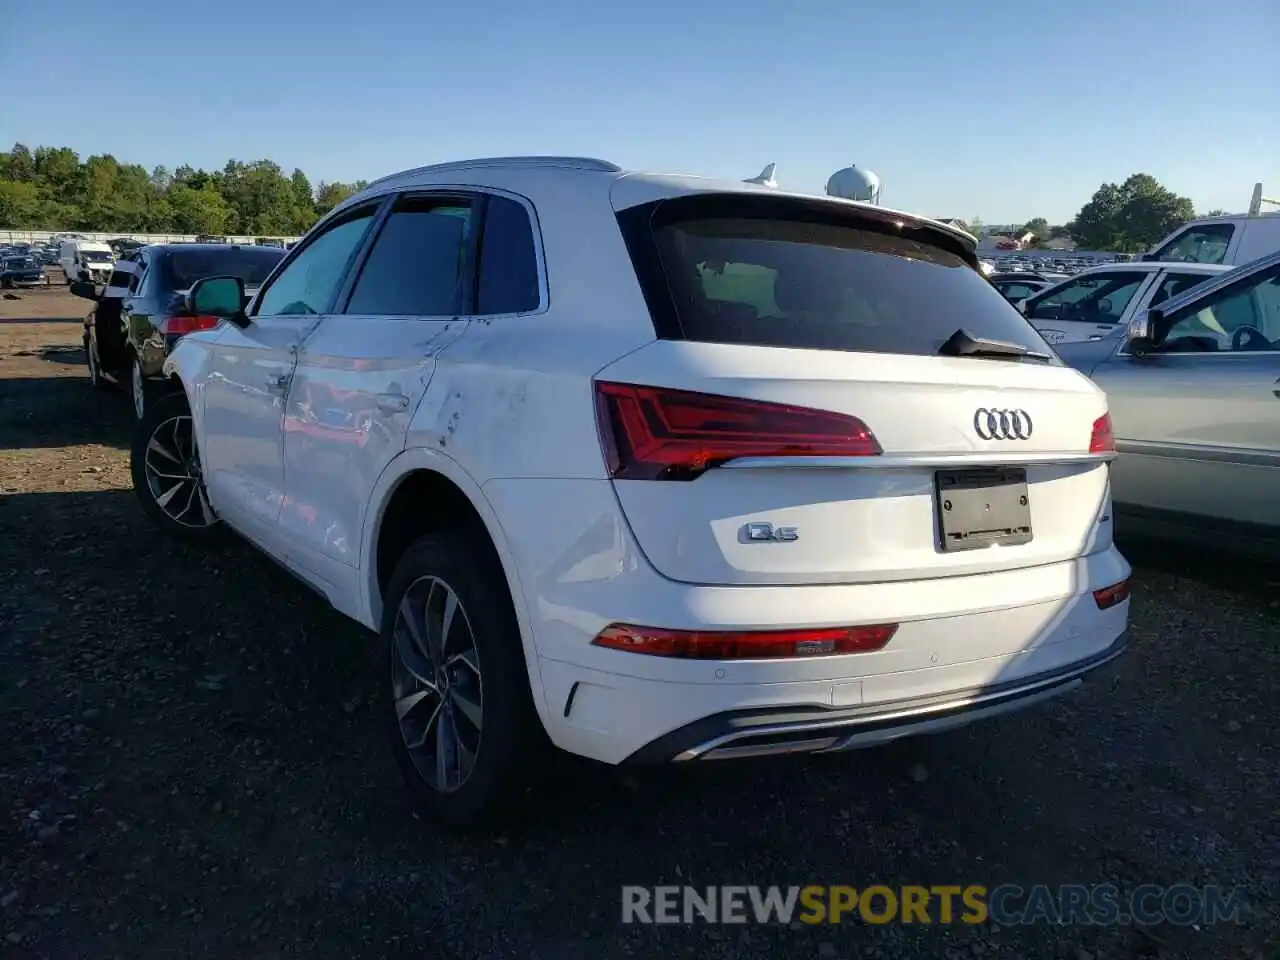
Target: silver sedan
{"points": [[1194, 387]]}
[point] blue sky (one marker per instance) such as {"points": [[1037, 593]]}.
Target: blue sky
{"points": [[997, 109]]}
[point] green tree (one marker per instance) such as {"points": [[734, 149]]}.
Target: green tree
{"points": [[264, 200], [1129, 217], [57, 169], [303, 195], [19, 204], [52, 188], [198, 211], [18, 164], [1216, 212], [161, 178], [329, 195]]}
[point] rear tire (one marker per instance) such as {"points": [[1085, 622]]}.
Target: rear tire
{"points": [[94, 363], [458, 683], [167, 477], [142, 392]]}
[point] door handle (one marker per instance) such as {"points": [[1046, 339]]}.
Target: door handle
{"points": [[278, 381], [392, 402]]}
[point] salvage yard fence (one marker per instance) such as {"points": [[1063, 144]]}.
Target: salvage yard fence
{"points": [[41, 236]]}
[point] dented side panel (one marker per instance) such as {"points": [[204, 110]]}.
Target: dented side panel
{"points": [[358, 383]]}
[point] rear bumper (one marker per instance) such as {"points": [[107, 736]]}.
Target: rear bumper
{"points": [[966, 645], [754, 733]]}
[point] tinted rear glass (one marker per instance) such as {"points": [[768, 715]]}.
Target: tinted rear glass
{"points": [[250, 264], [851, 285]]}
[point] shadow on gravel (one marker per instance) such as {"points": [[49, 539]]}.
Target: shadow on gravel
{"points": [[70, 355], [207, 739], [41, 412], [1258, 579]]}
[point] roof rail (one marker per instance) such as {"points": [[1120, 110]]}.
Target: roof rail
{"points": [[573, 163]]}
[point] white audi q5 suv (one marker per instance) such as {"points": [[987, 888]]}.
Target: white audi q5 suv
{"points": [[656, 468]]}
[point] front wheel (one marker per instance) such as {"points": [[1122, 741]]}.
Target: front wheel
{"points": [[167, 476], [461, 716]]}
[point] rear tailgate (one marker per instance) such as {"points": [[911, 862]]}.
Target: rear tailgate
{"points": [[859, 519], [979, 464]]}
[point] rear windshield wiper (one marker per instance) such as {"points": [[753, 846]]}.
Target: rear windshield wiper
{"points": [[964, 344]]}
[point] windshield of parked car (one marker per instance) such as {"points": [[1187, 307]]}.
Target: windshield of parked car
{"points": [[250, 264], [95, 256], [18, 263]]}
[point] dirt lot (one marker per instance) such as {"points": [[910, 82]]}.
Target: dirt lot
{"points": [[189, 764]]}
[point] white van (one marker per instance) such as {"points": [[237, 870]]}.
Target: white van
{"points": [[1230, 240], [86, 260]]}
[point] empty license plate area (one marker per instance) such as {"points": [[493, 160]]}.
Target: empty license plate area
{"points": [[983, 507]]}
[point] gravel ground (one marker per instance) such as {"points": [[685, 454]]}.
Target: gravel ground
{"points": [[189, 764]]}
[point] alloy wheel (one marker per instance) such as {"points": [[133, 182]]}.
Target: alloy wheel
{"points": [[172, 467], [436, 684]]}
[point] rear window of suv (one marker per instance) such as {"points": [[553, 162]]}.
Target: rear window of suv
{"points": [[250, 264], [809, 275]]}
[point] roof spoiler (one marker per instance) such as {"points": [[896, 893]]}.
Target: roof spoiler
{"points": [[1257, 200]]}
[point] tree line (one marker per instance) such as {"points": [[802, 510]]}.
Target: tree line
{"points": [[51, 188], [1127, 217]]}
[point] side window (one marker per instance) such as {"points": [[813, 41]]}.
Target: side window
{"points": [[139, 274], [1173, 284], [1206, 243], [1097, 298], [309, 282], [1017, 291], [416, 262], [508, 261], [121, 277], [1243, 317]]}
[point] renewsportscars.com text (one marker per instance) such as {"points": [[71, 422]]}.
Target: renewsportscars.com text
{"points": [[1007, 904]]}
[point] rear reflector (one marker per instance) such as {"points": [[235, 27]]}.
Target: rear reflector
{"points": [[652, 433], [1102, 440], [1108, 597], [734, 645], [177, 326]]}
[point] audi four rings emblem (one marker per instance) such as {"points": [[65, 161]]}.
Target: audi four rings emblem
{"points": [[1002, 424]]}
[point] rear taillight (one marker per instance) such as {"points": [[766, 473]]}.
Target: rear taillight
{"points": [[1102, 440], [1108, 597], [177, 326], [652, 433], [745, 645]]}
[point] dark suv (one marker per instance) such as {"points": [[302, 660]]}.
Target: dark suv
{"points": [[143, 310]]}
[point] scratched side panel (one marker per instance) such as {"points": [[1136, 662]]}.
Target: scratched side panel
{"points": [[357, 385]]}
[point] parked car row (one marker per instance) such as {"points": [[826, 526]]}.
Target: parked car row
{"points": [[142, 311], [21, 267]]}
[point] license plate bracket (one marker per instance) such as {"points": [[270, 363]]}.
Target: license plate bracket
{"points": [[982, 507]]}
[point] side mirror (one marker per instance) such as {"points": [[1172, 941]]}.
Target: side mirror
{"points": [[1141, 331], [85, 290], [218, 297]]}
